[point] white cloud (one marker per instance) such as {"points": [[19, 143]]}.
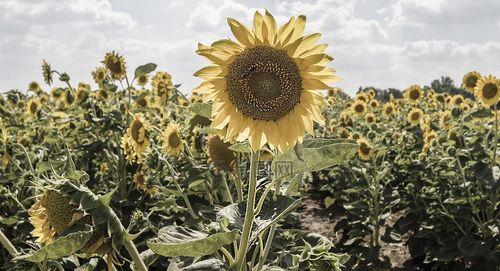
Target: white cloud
{"points": [[373, 43]]}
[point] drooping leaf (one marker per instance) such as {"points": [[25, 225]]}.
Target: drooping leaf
{"points": [[63, 246], [318, 154], [175, 241], [144, 69], [242, 147]]}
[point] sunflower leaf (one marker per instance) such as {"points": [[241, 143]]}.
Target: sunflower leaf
{"points": [[202, 109], [318, 154], [61, 247], [175, 241], [144, 69]]}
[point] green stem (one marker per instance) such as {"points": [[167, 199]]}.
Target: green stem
{"points": [[134, 254], [249, 214], [8, 245]]}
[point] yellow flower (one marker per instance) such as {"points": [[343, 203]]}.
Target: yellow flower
{"points": [[99, 74], [115, 65], [470, 80], [414, 116], [457, 100], [265, 87], [137, 135], [370, 118], [445, 119], [220, 154], [358, 107], [142, 183], [51, 215], [162, 86], [32, 107], [46, 72], [389, 109], [82, 92], [365, 150], [344, 133], [413, 94], [487, 90], [172, 140], [362, 97], [374, 103]]}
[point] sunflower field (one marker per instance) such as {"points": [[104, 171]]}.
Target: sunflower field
{"points": [[263, 167]]}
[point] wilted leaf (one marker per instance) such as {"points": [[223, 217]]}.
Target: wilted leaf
{"points": [[144, 69]]}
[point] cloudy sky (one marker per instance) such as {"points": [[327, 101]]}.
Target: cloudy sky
{"points": [[380, 43]]}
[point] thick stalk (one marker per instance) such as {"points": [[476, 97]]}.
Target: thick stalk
{"points": [[249, 213], [8, 245], [134, 254]]}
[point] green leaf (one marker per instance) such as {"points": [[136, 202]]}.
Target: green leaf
{"points": [[274, 209], [110, 87], [481, 113], [242, 147], [318, 154], [175, 241], [202, 109], [329, 201], [144, 69], [61, 247], [472, 247], [206, 265]]}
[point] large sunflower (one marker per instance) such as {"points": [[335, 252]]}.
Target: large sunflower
{"points": [[264, 86], [487, 90], [358, 107]]}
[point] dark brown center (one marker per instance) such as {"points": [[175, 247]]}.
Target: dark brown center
{"points": [[264, 83]]}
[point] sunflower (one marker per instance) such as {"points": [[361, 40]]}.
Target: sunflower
{"points": [[143, 183], [51, 215], [142, 80], [68, 98], [32, 107], [99, 74], [102, 94], [358, 107], [470, 80], [487, 90], [57, 94], [445, 120], [457, 100], [371, 93], [414, 116], [220, 154], [162, 86], [115, 64], [46, 72], [413, 94], [365, 150], [388, 109], [344, 133], [127, 148], [172, 140], [142, 100], [264, 87], [348, 105], [439, 98], [82, 92], [370, 118], [362, 97], [137, 135], [374, 103]]}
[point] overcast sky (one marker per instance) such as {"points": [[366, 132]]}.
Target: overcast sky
{"points": [[379, 43]]}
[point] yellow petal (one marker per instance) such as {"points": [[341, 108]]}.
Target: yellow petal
{"points": [[298, 30], [313, 83], [271, 27], [210, 72], [227, 46], [307, 43], [257, 27], [241, 32]]}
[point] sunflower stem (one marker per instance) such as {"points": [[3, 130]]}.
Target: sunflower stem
{"points": [[136, 257], [249, 213], [8, 245], [270, 235]]}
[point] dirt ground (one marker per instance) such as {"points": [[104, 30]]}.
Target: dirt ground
{"points": [[315, 217]]}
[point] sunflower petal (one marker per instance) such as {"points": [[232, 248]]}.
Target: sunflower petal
{"points": [[241, 32]]}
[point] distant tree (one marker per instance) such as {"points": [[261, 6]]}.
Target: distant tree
{"points": [[446, 85]]}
